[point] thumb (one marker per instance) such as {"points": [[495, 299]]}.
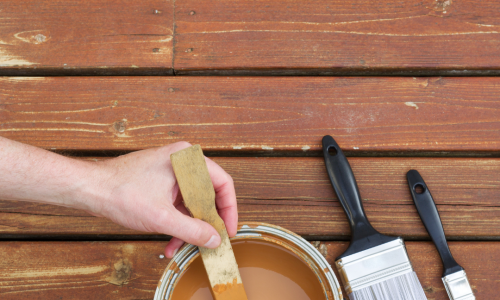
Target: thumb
{"points": [[194, 231]]}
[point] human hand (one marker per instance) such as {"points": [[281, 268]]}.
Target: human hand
{"points": [[141, 192]]}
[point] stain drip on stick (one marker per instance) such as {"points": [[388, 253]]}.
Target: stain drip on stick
{"points": [[198, 193]]}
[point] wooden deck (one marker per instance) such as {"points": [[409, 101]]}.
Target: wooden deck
{"points": [[265, 130]]}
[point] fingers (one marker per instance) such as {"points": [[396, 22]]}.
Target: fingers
{"points": [[225, 196], [176, 243], [231, 220], [193, 231], [173, 246], [177, 146]]}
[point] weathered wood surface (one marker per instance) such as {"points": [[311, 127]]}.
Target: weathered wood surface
{"points": [[295, 193], [89, 37], [280, 37], [325, 37], [374, 116], [131, 270], [80, 270]]}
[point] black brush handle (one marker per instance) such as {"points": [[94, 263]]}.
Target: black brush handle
{"points": [[430, 217], [364, 236]]}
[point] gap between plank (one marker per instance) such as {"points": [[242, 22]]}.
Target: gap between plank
{"points": [[244, 72], [99, 238], [348, 153]]}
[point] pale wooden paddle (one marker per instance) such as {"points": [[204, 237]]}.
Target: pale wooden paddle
{"points": [[198, 193]]}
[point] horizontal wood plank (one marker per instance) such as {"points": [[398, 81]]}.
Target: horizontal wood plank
{"points": [[84, 270], [230, 37], [131, 270], [403, 116], [325, 37], [295, 193], [86, 37]]}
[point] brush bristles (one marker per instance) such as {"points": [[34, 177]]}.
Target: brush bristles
{"points": [[403, 287]]}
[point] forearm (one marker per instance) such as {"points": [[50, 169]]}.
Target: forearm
{"points": [[28, 173], [138, 190]]}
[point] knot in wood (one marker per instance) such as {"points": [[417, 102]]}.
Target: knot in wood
{"points": [[121, 272], [40, 38], [120, 126]]}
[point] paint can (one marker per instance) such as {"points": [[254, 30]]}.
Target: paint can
{"points": [[260, 233]]}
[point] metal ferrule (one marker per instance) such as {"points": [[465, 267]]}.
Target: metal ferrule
{"points": [[374, 265], [458, 287]]}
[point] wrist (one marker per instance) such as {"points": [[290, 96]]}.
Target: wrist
{"points": [[94, 190]]}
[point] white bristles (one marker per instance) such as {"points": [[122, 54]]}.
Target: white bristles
{"points": [[404, 287]]}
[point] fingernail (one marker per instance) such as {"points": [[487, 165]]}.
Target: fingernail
{"points": [[213, 242], [175, 252]]}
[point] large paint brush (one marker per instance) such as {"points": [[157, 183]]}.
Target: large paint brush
{"points": [[198, 194], [375, 266], [454, 278]]}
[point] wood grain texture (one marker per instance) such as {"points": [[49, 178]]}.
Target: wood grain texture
{"points": [[90, 37], [131, 270], [325, 37], [376, 116], [83, 270], [295, 193]]}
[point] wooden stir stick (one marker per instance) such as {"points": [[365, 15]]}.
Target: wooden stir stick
{"points": [[198, 193]]}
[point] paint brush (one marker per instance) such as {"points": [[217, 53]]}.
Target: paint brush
{"points": [[374, 266], [198, 194], [454, 278]]}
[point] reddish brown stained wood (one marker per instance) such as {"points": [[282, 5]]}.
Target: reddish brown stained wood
{"points": [[131, 270], [79, 35], [84, 270], [364, 114], [289, 37], [295, 193], [475, 257]]}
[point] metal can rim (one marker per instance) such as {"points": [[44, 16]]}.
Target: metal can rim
{"points": [[188, 252]]}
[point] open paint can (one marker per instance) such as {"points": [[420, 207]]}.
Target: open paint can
{"points": [[274, 264]]}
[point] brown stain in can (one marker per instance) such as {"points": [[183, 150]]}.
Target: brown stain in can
{"points": [[268, 271]]}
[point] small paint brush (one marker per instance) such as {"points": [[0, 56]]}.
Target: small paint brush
{"points": [[374, 266], [198, 195], [454, 278]]}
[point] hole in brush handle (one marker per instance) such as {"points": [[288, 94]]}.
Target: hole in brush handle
{"points": [[419, 188], [429, 215], [363, 235], [332, 151]]}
